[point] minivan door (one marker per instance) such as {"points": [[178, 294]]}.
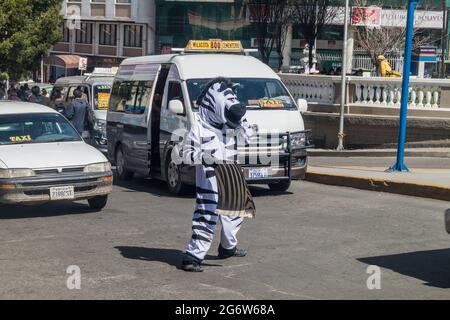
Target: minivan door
{"points": [[155, 120]]}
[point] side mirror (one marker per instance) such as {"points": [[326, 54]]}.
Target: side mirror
{"points": [[176, 107], [302, 105]]}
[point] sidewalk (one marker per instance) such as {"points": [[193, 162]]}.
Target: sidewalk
{"points": [[435, 152], [428, 177]]}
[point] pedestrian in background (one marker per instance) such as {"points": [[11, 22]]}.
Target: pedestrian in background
{"points": [[36, 95], [77, 111], [45, 98], [12, 94], [2, 92]]}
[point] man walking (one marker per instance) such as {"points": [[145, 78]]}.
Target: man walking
{"points": [[77, 111]]}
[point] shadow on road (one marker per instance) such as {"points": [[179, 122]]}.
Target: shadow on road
{"points": [[43, 210], [153, 186], [432, 267], [158, 188], [171, 257]]}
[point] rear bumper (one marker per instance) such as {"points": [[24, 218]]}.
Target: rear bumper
{"points": [[37, 189]]}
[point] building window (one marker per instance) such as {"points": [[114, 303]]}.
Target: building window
{"points": [[132, 36], [84, 34], [65, 33], [108, 35], [123, 1]]}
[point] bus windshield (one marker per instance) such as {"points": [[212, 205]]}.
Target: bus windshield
{"points": [[254, 93]]}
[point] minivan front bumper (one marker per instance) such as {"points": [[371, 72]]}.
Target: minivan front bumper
{"points": [[37, 189]]}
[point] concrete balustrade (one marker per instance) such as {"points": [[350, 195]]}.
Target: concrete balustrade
{"points": [[373, 91], [372, 109]]}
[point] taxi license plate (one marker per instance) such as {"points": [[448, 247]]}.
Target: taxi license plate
{"points": [[62, 193], [258, 173]]}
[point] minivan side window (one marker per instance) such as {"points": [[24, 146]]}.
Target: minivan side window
{"points": [[131, 97], [175, 92]]}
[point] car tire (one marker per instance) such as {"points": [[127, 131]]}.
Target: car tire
{"points": [[280, 186], [175, 186], [122, 172], [98, 203]]}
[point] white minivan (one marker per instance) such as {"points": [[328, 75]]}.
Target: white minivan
{"points": [[96, 88], [154, 96], [43, 158]]}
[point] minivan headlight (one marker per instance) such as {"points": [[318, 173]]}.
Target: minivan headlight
{"points": [[298, 140], [16, 173], [100, 125], [98, 167]]}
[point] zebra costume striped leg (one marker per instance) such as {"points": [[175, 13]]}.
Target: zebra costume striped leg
{"points": [[205, 218], [219, 111]]}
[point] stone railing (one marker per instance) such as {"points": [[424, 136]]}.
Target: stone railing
{"points": [[369, 91]]}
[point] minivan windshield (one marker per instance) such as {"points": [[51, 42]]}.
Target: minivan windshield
{"points": [[254, 93], [36, 128], [102, 93]]}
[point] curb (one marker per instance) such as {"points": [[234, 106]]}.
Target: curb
{"points": [[437, 192], [378, 153]]}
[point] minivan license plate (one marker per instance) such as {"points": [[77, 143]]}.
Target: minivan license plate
{"points": [[62, 193], [258, 173]]}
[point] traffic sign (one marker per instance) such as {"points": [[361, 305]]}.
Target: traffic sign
{"points": [[82, 64]]}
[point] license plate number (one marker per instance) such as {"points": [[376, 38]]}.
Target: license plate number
{"points": [[258, 173], [62, 193]]}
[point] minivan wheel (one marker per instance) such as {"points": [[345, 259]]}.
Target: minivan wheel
{"points": [[98, 203], [280, 186], [173, 177], [121, 172]]}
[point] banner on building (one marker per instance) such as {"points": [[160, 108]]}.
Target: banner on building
{"points": [[366, 16]]}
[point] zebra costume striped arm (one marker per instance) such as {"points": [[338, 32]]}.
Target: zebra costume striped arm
{"points": [[192, 152]]}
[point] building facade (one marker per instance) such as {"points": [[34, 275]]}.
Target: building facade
{"points": [[103, 31], [107, 31]]}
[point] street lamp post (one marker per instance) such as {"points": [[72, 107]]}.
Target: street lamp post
{"points": [[343, 80], [400, 166]]}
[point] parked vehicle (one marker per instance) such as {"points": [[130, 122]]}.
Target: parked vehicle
{"points": [[96, 88], [43, 158], [154, 96]]}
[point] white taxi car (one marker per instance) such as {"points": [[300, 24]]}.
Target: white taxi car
{"points": [[43, 158]]}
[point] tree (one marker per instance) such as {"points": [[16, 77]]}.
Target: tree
{"points": [[270, 18], [311, 16], [28, 29], [384, 40]]}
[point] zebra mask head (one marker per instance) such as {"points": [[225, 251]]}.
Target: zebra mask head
{"points": [[219, 105]]}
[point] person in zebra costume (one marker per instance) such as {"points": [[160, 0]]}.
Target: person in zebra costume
{"points": [[211, 145]]}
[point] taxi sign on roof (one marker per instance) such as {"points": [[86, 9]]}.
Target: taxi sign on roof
{"points": [[214, 45]]}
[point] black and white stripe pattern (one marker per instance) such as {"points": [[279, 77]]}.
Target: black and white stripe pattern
{"points": [[222, 193]]}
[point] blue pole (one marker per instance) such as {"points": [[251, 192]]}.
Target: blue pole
{"points": [[400, 166]]}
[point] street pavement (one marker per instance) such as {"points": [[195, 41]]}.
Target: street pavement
{"points": [[427, 177], [314, 242]]}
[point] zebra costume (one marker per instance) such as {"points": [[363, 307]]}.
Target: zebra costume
{"points": [[212, 146]]}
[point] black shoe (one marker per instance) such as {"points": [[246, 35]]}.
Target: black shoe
{"points": [[191, 264], [228, 253]]}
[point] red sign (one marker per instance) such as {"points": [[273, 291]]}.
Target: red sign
{"points": [[366, 16]]}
